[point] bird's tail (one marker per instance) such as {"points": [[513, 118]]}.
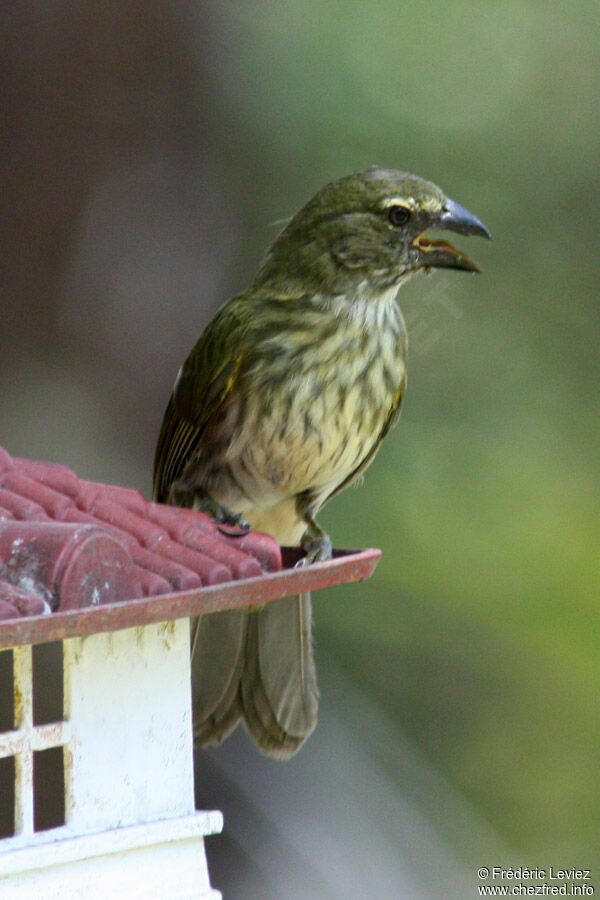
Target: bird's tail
{"points": [[257, 666]]}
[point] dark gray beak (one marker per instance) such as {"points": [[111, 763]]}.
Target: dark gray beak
{"points": [[455, 217]]}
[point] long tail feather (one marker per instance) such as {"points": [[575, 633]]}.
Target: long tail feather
{"points": [[218, 642], [279, 694]]}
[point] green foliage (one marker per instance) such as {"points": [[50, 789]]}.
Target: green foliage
{"points": [[478, 632]]}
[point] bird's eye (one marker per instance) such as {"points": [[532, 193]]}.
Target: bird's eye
{"points": [[398, 215]]}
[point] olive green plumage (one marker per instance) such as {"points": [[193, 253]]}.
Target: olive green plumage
{"points": [[283, 401]]}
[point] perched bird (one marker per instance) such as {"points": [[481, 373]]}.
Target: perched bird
{"points": [[283, 401]]}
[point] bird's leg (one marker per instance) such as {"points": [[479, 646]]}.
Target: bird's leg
{"points": [[315, 543], [182, 494]]}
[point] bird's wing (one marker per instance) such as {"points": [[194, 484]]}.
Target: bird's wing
{"points": [[203, 389]]}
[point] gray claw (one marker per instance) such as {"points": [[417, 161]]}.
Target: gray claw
{"points": [[316, 548]]}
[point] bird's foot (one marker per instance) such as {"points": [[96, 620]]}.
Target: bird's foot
{"points": [[225, 518], [316, 545]]}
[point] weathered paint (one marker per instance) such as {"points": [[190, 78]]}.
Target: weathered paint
{"points": [[346, 566]]}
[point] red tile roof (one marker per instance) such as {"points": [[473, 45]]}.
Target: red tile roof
{"points": [[66, 543]]}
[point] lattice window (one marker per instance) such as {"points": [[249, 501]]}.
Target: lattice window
{"points": [[33, 738]]}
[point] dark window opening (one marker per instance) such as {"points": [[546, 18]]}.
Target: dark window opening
{"points": [[48, 683], [7, 691], [48, 789], [7, 796]]}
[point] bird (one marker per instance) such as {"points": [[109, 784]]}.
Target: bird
{"points": [[283, 402]]}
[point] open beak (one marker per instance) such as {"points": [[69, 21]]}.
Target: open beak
{"points": [[441, 255]]}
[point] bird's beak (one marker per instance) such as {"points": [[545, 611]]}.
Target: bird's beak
{"points": [[439, 254]]}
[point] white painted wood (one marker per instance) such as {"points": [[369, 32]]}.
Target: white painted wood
{"points": [[131, 829], [127, 695], [164, 859]]}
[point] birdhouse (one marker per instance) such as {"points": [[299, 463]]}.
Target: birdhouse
{"points": [[97, 588]]}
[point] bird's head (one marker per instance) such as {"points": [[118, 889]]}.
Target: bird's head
{"points": [[368, 229]]}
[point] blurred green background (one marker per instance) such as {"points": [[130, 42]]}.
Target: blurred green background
{"points": [[149, 148]]}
